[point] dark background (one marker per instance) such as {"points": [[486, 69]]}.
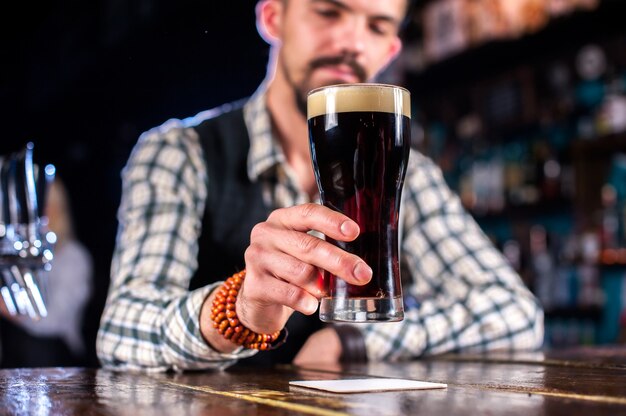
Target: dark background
{"points": [[82, 80]]}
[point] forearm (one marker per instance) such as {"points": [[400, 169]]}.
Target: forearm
{"points": [[487, 318], [209, 333], [466, 295], [151, 320], [149, 330]]}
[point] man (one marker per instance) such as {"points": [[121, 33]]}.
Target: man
{"points": [[199, 194]]}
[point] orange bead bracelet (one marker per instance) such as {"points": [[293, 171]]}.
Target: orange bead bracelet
{"points": [[224, 317]]}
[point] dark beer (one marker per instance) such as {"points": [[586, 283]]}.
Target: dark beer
{"points": [[359, 153]]}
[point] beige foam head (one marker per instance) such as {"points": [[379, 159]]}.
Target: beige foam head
{"points": [[346, 98]]}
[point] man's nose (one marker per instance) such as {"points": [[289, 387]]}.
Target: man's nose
{"points": [[351, 39]]}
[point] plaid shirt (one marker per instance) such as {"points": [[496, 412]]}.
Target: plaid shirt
{"points": [[463, 294]]}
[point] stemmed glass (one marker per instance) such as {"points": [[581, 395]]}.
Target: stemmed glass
{"points": [[26, 243]]}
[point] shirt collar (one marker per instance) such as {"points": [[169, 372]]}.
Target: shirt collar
{"points": [[265, 151]]}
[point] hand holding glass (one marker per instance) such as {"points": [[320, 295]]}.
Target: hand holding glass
{"points": [[360, 140]]}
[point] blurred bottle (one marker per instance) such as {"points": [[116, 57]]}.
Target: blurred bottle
{"points": [[547, 171], [590, 294], [543, 266], [609, 227], [513, 253], [611, 116]]}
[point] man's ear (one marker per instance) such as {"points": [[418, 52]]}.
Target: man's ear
{"points": [[269, 19], [394, 49], [392, 53]]}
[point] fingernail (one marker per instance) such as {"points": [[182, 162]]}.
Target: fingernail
{"points": [[311, 306], [349, 228], [362, 272]]}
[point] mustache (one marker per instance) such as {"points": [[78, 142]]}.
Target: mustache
{"points": [[348, 60]]}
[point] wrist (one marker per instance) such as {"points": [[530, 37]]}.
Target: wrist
{"points": [[210, 334], [226, 320]]}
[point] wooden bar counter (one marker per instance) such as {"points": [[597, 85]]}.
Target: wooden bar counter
{"points": [[580, 382]]}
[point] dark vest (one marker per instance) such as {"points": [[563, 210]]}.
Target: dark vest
{"points": [[234, 206]]}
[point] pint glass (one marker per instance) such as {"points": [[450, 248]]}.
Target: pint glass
{"points": [[359, 136]]}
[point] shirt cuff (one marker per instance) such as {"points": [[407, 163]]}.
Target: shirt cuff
{"points": [[196, 300]]}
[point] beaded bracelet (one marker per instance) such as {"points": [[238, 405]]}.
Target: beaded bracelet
{"points": [[224, 317]]}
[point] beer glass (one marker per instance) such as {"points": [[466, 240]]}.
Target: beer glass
{"points": [[359, 136]]}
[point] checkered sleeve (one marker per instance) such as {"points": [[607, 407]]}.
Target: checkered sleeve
{"points": [[467, 297], [151, 319]]}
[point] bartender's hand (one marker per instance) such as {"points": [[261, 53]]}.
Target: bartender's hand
{"points": [[283, 263], [282, 268]]}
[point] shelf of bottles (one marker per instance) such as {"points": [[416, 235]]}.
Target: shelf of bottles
{"points": [[537, 154]]}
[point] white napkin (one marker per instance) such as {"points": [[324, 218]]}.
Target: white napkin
{"points": [[367, 385]]}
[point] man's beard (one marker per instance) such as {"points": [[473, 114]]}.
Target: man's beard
{"points": [[302, 90]]}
